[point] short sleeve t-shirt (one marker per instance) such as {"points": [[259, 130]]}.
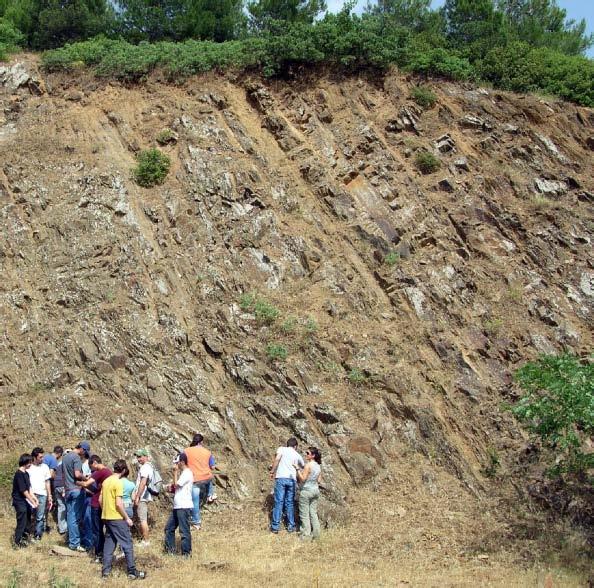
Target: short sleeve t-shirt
{"points": [[128, 490], [59, 479], [288, 459], [20, 484], [50, 461], [145, 471], [70, 463], [99, 476], [183, 490], [39, 474], [111, 489]]}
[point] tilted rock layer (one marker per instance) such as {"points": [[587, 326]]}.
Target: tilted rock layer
{"points": [[405, 301]]}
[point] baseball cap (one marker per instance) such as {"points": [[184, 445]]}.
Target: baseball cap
{"points": [[85, 445], [141, 453]]}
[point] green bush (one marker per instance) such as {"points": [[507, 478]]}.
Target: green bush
{"points": [[10, 39], [423, 96], [356, 376], [522, 68], [265, 312], [276, 352], [152, 169], [427, 162], [247, 301], [558, 406], [392, 258]]}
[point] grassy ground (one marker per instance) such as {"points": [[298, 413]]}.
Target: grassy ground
{"points": [[442, 541]]}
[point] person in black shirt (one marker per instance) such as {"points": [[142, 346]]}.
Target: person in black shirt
{"points": [[23, 500]]}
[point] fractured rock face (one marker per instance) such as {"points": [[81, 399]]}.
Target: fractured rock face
{"points": [[550, 187]]}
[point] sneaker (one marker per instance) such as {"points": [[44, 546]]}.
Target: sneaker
{"points": [[98, 559], [196, 527], [137, 576], [275, 531], [79, 549], [36, 539], [211, 498]]}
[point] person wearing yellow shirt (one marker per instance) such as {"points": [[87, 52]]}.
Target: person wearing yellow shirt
{"points": [[117, 522]]}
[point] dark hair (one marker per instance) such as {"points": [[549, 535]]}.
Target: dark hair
{"points": [[292, 442], [125, 472], [120, 466], [25, 459], [36, 451], [196, 440], [85, 454], [316, 454], [59, 450], [94, 459], [183, 457]]}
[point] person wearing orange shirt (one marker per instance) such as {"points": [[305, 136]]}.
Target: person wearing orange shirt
{"points": [[201, 462]]}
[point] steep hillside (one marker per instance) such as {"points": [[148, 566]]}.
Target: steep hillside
{"points": [[405, 301]]}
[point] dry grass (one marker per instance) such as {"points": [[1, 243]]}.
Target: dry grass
{"points": [[403, 537]]}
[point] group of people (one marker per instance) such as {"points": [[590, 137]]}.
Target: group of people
{"points": [[94, 505]]}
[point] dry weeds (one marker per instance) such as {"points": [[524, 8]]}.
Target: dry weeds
{"points": [[405, 536]]}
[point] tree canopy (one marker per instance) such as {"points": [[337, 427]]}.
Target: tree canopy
{"points": [[523, 45]]}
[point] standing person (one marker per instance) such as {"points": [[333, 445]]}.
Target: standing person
{"points": [[99, 473], [182, 507], [60, 498], [284, 475], [74, 495], [117, 523], [143, 496], [201, 462], [53, 461], [40, 476], [86, 529], [128, 496], [310, 476], [23, 501]]}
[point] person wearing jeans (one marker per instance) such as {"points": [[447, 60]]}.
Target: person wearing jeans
{"points": [[310, 476], [75, 509], [117, 523], [74, 496], [99, 473], [40, 476], [283, 472], [201, 462], [182, 507]]}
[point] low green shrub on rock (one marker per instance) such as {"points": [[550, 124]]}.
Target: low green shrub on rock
{"points": [[152, 169]]}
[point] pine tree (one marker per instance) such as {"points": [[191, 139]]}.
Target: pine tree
{"points": [[216, 20], [542, 23], [262, 12]]}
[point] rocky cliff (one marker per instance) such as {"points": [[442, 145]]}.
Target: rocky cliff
{"points": [[294, 220]]}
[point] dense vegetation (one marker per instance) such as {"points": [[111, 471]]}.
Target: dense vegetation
{"points": [[558, 406], [522, 45]]}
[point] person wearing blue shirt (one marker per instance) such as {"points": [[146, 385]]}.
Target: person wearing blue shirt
{"points": [[53, 462]]}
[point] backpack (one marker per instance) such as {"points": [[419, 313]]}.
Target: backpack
{"points": [[154, 483]]}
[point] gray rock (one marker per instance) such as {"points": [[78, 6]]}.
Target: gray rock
{"points": [[550, 187], [445, 144], [587, 283], [462, 163]]}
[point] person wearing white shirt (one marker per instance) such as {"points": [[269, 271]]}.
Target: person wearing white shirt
{"points": [[283, 472], [182, 507], [40, 476]]}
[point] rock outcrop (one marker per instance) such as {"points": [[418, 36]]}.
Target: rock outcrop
{"points": [[405, 301]]}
